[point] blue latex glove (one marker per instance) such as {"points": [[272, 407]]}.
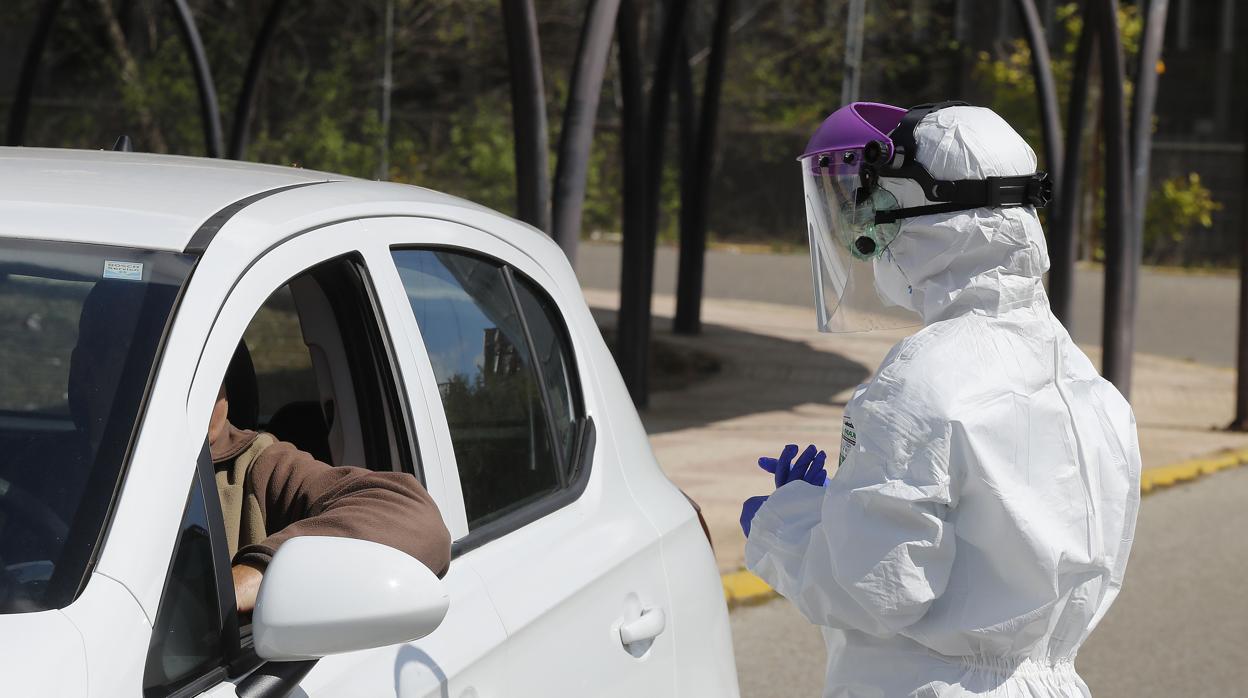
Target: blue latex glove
{"points": [[809, 466], [748, 510]]}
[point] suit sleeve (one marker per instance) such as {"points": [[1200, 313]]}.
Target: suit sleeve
{"points": [[873, 549], [301, 496]]}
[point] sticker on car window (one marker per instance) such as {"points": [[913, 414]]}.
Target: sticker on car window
{"points": [[126, 271]]}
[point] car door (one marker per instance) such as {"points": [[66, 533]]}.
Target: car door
{"points": [[384, 417], [570, 562]]}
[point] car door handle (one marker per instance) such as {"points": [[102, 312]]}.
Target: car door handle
{"points": [[647, 627]]}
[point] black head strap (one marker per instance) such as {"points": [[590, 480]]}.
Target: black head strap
{"points": [[1034, 189], [905, 149]]}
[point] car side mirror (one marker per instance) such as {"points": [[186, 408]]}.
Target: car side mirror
{"points": [[325, 595]]}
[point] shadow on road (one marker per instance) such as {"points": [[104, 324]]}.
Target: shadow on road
{"points": [[725, 373]]}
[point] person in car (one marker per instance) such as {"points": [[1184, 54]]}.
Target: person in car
{"points": [[270, 491]]}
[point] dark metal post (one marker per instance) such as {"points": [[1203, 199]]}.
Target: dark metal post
{"points": [[528, 113], [1046, 91], [247, 95], [855, 31], [210, 113], [579, 116], [686, 115], [1121, 247], [1145, 99], [1241, 362], [693, 238], [1064, 220], [670, 51], [19, 111], [643, 171], [632, 330], [387, 91]]}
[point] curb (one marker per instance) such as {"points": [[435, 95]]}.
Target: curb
{"points": [[743, 588], [1188, 470]]}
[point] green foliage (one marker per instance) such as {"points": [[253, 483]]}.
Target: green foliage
{"points": [[319, 97], [1175, 209], [1006, 83]]}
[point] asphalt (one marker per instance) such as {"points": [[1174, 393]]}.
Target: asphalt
{"points": [[1182, 316], [1177, 629]]}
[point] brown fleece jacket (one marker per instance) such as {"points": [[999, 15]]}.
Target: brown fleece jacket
{"points": [[271, 491]]}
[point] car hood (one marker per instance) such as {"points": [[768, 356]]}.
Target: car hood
{"points": [[41, 654]]}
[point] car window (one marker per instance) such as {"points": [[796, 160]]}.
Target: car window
{"points": [[510, 442], [80, 329], [187, 635], [281, 359], [554, 356], [313, 369]]}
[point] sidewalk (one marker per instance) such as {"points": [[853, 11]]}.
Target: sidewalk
{"points": [[782, 382]]}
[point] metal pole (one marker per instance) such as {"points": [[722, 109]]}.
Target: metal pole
{"points": [[670, 51], [247, 95], [643, 176], [1046, 90], [854, 29], [19, 111], [633, 324], [1151, 38], [387, 88], [528, 113], [686, 116], [1121, 247], [577, 135], [210, 114], [692, 264], [1241, 362], [1064, 223]]}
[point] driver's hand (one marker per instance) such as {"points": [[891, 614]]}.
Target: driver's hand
{"points": [[246, 586]]}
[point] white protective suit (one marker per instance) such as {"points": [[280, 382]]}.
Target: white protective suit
{"points": [[978, 527]]}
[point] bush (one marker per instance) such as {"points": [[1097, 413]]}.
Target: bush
{"points": [[1175, 209]]}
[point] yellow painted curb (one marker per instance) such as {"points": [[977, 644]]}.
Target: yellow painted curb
{"points": [[744, 587], [1188, 470]]}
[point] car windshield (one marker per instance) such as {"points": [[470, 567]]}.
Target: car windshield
{"points": [[80, 327]]}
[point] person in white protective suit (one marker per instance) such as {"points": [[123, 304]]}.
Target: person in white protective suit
{"points": [[978, 525]]}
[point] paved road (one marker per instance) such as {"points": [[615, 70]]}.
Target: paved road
{"points": [[1182, 316], [1179, 627]]}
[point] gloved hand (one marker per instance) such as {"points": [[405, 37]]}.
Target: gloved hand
{"points": [[748, 510], [808, 467]]}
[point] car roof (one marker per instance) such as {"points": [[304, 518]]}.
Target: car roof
{"points": [[145, 200]]}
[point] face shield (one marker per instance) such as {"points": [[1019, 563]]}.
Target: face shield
{"points": [[852, 221], [854, 274]]}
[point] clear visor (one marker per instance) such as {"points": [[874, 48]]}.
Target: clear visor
{"points": [[858, 286]]}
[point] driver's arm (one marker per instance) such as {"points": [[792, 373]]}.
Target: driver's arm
{"points": [[301, 496]]}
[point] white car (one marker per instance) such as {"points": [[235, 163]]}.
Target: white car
{"points": [[387, 326]]}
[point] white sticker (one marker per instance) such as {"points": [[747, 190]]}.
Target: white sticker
{"points": [[849, 439], [126, 271]]}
